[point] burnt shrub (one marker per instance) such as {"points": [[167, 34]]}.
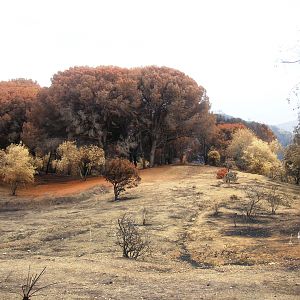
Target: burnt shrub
{"points": [[222, 173]]}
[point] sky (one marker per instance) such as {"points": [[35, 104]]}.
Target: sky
{"points": [[233, 48]]}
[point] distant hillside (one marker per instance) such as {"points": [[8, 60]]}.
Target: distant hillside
{"points": [[261, 130], [284, 137], [288, 126], [283, 132]]}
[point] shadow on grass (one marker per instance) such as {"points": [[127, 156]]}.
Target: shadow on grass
{"points": [[241, 218], [124, 198], [248, 232]]}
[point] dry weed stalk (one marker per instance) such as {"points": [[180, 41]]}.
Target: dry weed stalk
{"points": [[29, 289]]}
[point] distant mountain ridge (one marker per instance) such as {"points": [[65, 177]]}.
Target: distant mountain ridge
{"points": [[287, 126], [284, 137]]}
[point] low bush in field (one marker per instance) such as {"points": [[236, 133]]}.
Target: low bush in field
{"points": [[230, 177], [222, 173], [132, 241]]}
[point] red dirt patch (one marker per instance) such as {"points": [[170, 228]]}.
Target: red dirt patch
{"points": [[62, 186]]}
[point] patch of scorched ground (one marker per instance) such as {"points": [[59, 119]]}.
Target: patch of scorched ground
{"points": [[195, 255]]}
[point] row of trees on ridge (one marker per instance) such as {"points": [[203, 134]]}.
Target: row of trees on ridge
{"points": [[153, 114]]}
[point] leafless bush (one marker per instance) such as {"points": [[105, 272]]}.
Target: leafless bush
{"points": [[254, 195], [275, 199], [216, 206], [133, 243]]}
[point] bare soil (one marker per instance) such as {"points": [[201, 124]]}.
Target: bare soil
{"points": [[69, 227]]}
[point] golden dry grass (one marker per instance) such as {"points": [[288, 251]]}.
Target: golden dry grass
{"points": [[196, 255]]}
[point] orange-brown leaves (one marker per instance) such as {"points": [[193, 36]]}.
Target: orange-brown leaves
{"points": [[16, 98], [121, 174]]}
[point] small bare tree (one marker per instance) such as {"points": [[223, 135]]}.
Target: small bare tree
{"points": [[216, 204], [254, 195], [130, 238], [275, 199]]}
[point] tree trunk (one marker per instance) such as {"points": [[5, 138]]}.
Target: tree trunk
{"points": [[142, 151], [13, 188], [205, 152], [152, 153], [116, 193], [144, 162], [48, 163]]}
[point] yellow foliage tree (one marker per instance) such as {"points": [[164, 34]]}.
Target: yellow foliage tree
{"points": [[79, 161], [260, 158], [16, 166], [90, 157], [69, 159], [241, 139]]}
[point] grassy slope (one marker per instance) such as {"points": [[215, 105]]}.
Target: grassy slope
{"points": [[195, 254]]}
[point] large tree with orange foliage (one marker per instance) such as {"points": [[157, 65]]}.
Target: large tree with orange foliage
{"points": [[16, 99], [87, 104], [170, 107]]}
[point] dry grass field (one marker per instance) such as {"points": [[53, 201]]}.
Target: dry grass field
{"points": [[69, 227]]}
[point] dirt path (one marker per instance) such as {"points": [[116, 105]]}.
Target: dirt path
{"points": [[64, 186]]}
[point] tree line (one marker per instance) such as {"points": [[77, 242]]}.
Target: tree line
{"points": [[138, 113], [148, 114]]}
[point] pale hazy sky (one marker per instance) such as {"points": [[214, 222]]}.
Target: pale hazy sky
{"points": [[232, 48]]}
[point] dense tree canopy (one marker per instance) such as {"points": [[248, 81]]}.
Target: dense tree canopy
{"points": [[224, 136], [151, 107], [169, 108], [292, 161], [16, 98]]}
